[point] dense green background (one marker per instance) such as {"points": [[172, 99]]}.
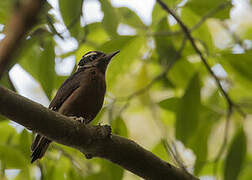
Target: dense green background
{"points": [[181, 109]]}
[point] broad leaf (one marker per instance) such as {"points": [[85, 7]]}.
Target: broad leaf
{"points": [[164, 45], [238, 63], [235, 156], [129, 47], [39, 62], [199, 142], [5, 10], [119, 127], [46, 67], [71, 12], [160, 151], [12, 157], [130, 17], [25, 143], [202, 7], [171, 104], [6, 131], [181, 73], [112, 171], [188, 112], [110, 20], [6, 81], [158, 13]]}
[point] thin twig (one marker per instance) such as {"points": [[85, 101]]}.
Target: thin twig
{"points": [[224, 143], [229, 101], [212, 12], [52, 27], [208, 15], [234, 36], [155, 79], [74, 21], [189, 36]]}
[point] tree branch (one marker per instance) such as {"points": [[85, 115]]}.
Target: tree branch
{"points": [[190, 38], [208, 15], [20, 23], [94, 141], [187, 32], [228, 99]]}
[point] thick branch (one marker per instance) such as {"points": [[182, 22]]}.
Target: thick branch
{"points": [[94, 141], [20, 23]]}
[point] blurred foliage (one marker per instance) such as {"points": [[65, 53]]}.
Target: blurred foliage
{"points": [[145, 101]]}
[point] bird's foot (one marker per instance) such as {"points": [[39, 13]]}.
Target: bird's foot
{"points": [[82, 120], [104, 131], [88, 156]]}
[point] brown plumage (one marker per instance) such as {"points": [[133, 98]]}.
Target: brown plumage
{"points": [[81, 95]]}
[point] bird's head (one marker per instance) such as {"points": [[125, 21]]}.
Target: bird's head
{"points": [[96, 58]]}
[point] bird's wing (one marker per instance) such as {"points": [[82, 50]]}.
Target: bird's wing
{"points": [[66, 89], [41, 143]]}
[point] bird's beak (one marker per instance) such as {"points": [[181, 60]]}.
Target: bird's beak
{"points": [[111, 55]]}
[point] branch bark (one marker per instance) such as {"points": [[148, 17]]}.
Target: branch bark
{"points": [[20, 23], [94, 141]]}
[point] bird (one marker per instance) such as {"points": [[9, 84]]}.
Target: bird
{"points": [[81, 95]]}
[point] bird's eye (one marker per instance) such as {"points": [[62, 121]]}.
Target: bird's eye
{"points": [[92, 57], [82, 62]]}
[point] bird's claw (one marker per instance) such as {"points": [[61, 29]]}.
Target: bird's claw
{"points": [[81, 120], [104, 131]]}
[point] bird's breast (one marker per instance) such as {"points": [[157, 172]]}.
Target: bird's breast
{"points": [[87, 100]]}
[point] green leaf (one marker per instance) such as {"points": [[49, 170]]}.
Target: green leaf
{"points": [[113, 171], [6, 82], [25, 143], [130, 47], [188, 113], [23, 174], [142, 79], [6, 131], [96, 33], [97, 119], [110, 20], [201, 34], [160, 151], [47, 67], [12, 157], [202, 7], [199, 142], [181, 73], [170, 104], [235, 156], [96, 176], [39, 62], [164, 45], [171, 3], [130, 17], [71, 12], [119, 127], [238, 63], [5, 10], [158, 13], [73, 174], [54, 170]]}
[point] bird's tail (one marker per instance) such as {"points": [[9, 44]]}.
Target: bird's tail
{"points": [[39, 147]]}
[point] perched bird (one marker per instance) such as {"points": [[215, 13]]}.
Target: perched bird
{"points": [[81, 95]]}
